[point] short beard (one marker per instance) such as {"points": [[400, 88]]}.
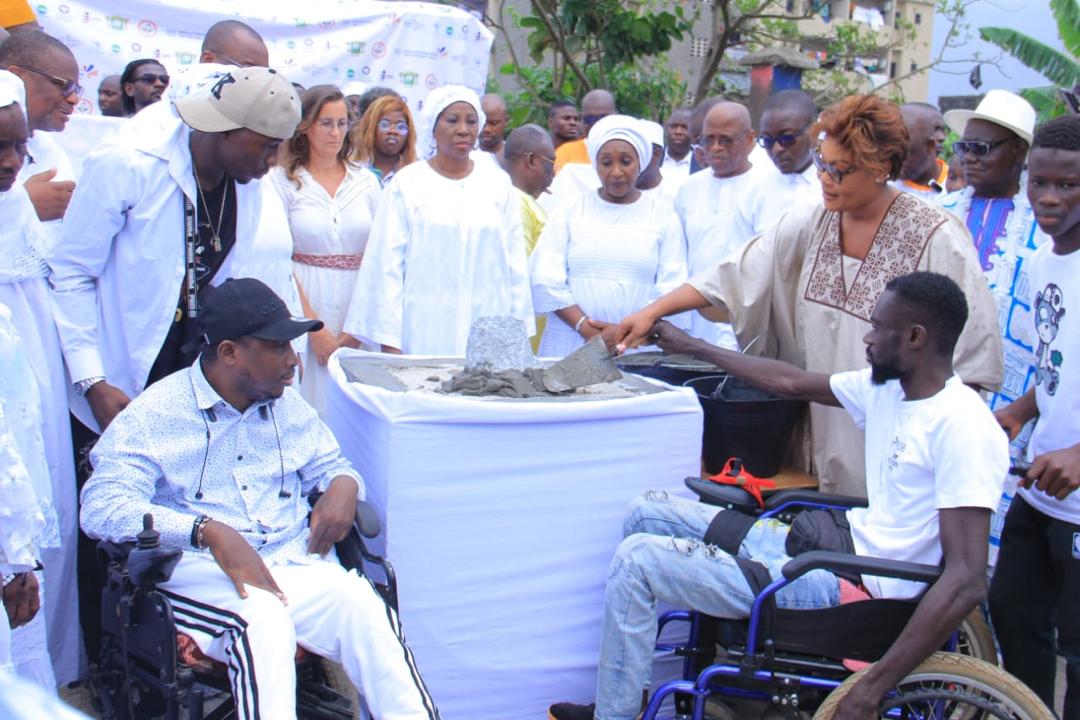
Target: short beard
{"points": [[881, 374]]}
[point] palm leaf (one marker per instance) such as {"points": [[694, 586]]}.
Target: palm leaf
{"points": [[1067, 15], [1055, 65]]}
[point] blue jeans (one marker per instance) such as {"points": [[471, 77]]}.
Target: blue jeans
{"points": [[662, 558]]}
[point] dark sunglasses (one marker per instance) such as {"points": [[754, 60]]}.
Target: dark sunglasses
{"points": [[150, 79], [592, 119], [65, 86], [836, 174], [976, 148], [786, 140]]}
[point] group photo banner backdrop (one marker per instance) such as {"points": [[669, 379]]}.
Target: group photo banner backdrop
{"points": [[412, 47]]}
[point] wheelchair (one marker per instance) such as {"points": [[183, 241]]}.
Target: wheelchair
{"points": [[798, 664], [148, 671]]}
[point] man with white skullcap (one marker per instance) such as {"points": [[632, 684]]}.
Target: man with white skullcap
{"points": [[34, 417]]}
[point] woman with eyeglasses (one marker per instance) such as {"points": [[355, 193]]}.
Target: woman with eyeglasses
{"points": [[386, 139], [608, 250], [447, 246], [806, 288], [331, 204], [142, 84]]}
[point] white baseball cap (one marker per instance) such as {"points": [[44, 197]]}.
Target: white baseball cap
{"points": [[1000, 107], [256, 98]]}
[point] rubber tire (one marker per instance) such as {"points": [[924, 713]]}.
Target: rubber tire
{"points": [[979, 636], [957, 668]]}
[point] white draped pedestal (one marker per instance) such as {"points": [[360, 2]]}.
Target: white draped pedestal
{"points": [[501, 518]]}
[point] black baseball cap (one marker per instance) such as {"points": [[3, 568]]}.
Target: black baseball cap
{"points": [[242, 307]]}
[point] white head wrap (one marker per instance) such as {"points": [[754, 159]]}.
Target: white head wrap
{"points": [[619, 127], [437, 101], [653, 132], [11, 90], [354, 88]]}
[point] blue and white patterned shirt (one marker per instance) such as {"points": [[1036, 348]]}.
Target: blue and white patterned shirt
{"points": [[151, 458]]}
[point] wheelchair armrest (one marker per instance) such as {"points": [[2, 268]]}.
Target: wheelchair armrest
{"points": [[367, 520], [878, 567], [803, 496], [731, 497]]}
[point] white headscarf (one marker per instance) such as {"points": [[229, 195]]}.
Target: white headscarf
{"points": [[437, 101], [653, 132], [619, 127], [11, 90]]}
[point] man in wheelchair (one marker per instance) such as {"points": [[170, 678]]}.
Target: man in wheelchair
{"points": [[224, 455], [935, 464]]}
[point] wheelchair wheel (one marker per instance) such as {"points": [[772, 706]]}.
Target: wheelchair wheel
{"points": [[951, 687], [975, 639]]}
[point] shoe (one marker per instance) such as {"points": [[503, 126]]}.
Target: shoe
{"points": [[570, 711]]}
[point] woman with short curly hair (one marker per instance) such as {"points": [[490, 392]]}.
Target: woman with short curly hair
{"points": [[806, 288]]}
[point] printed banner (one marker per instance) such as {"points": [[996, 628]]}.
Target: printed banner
{"points": [[412, 47]]}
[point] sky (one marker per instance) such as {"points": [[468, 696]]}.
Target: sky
{"points": [[1031, 17]]}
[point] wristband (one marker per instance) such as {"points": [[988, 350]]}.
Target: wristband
{"points": [[579, 323], [83, 386]]}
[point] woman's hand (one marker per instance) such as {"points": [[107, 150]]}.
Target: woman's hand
{"points": [[591, 328], [346, 340], [324, 344]]}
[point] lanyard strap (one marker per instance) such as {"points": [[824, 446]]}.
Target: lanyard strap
{"points": [[191, 289]]}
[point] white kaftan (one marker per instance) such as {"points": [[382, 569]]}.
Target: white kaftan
{"points": [[608, 259], [329, 236], [790, 287], [25, 291], [442, 253], [777, 193]]}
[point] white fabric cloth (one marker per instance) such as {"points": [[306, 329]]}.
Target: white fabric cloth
{"points": [[437, 101], [25, 291], [442, 253], [1055, 306], [776, 193], [573, 180], [516, 505], [922, 456], [716, 219], [124, 233], [322, 224], [12, 90], [619, 127], [677, 170], [610, 260], [44, 153]]}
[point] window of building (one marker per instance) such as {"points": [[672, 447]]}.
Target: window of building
{"points": [[892, 70], [699, 48], [914, 67]]}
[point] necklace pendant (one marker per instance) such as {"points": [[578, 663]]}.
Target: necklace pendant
{"points": [[215, 241]]}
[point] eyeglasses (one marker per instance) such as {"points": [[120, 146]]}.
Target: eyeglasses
{"points": [[545, 158], [591, 120], [785, 141], [67, 87], [237, 63], [836, 174], [328, 124], [400, 127], [724, 141], [150, 79], [976, 148]]}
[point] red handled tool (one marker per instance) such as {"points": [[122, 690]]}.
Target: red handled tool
{"points": [[735, 474]]}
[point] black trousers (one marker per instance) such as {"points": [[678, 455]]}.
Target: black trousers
{"points": [[90, 578], [1036, 588]]}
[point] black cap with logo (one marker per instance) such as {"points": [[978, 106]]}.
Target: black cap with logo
{"points": [[242, 307]]}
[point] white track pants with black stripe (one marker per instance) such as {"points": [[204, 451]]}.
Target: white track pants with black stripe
{"points": [[331, 612]]}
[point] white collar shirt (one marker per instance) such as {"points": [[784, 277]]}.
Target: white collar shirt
{"points": [[151, 460], [118, 267]]}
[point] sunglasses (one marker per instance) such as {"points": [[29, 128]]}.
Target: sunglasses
{"points": [[785, 141], [836, 174], [328, 124], [723, 141], [976, 148], [591, 120], [67, 87], [150, 79], [400, 127]]}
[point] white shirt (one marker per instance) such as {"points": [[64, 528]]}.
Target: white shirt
{"points": [[442, 253], [675, 171], [118, 267], [150, 460], [609, 259], [1055, 304], [945, 451], [776, 193], [572, 181]]}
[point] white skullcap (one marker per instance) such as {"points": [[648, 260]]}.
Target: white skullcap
{"points": [[619, 127], [437, 101], [11, 90], [653, 132], [354, 88]]}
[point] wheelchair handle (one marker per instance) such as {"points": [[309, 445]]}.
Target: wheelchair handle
{"points": [[859, 564]]}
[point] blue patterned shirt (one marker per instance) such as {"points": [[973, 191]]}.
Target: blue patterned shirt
{"points": [[153, 455]]}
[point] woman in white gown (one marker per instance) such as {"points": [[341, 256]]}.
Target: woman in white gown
{"points": [[331, 203], [606, 251], [447, 245]]}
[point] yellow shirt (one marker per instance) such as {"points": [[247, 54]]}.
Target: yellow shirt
{"points": [[571, 152], [15, 12], [533, 218]]}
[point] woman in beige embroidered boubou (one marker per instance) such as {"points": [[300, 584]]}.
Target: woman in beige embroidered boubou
{"points": [[807, 287]]}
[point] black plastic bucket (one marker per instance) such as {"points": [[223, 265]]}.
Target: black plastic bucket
{"points": [[745, 423], [672, 370]]}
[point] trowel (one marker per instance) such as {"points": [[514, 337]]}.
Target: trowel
{"points": [[588, 365]]}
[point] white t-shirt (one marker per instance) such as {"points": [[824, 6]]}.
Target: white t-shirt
{"points": [[1055, 305], [945, 451]]}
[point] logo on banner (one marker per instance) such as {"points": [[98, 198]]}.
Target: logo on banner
{"points": [[326, 24], [365, 70], [378, 50], [383, 75], [431, 82], [356, 48], [409, 78], [64, 9], [441, 53], [84, 107], [147, 28], [116, 22], [90, 71]]}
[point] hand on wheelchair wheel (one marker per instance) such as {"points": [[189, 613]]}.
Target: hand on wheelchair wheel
{"points": [[239, 560]]}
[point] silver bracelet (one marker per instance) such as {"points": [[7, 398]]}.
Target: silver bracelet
{"points": [[579, 323]]}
